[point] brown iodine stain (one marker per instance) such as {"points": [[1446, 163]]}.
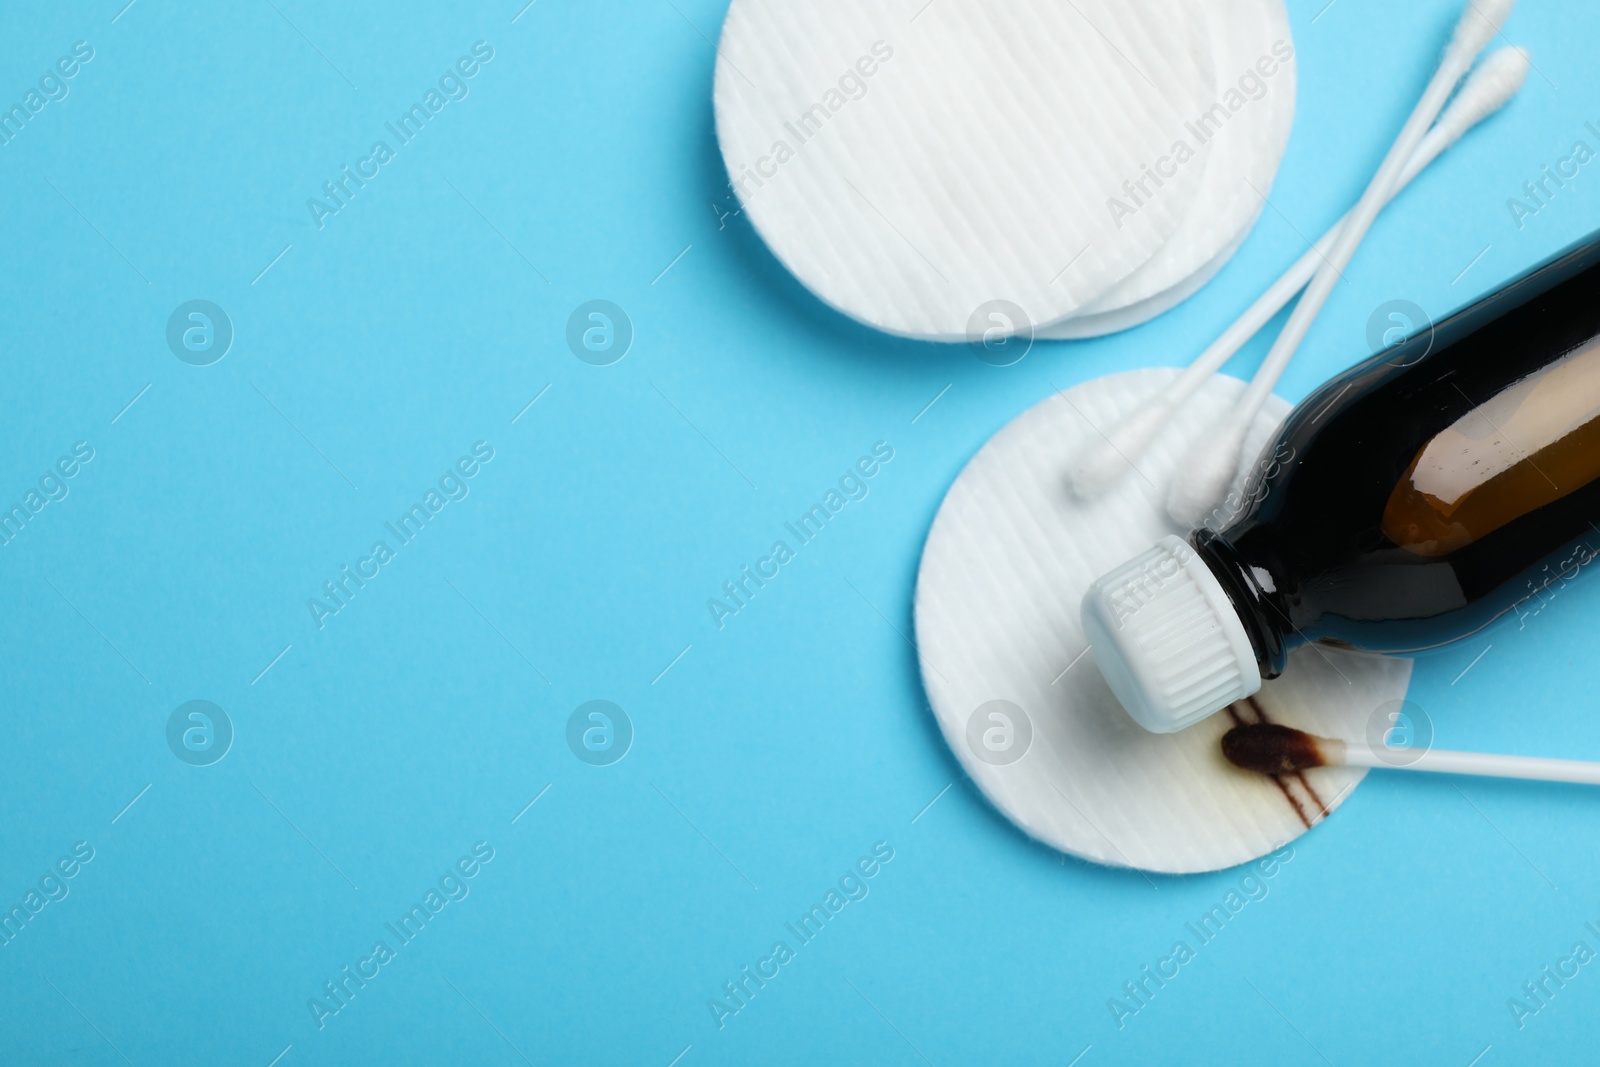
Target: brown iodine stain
{"points": [[1300, 775], [1277, 779]]}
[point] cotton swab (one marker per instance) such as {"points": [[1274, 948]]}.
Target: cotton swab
{"points": [[1200, 486], [1491, 87], [1272, 748]]}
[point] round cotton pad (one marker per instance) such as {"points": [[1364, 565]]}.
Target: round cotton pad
{"points": [[914, 163], [1018, 696], [1247, 128]]}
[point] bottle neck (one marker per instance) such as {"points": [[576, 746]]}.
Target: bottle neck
{"points": [[1265, 621]]}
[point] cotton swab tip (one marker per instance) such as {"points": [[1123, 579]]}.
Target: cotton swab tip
{"points": [[1480, 23], [1506, 70], [1200, 487], [1270, 748], [1497, 80]]}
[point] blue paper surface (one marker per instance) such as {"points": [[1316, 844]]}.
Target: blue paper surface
{"points": [[382, 751]]}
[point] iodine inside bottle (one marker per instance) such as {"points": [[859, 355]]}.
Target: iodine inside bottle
{"points": [[1405, 504]]}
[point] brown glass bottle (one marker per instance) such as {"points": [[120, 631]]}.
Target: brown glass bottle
{"points": [[1419, 496]]}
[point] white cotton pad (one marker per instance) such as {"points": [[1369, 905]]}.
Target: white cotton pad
{"points": [[912, 163], [1246, 127], [1008, 558]]}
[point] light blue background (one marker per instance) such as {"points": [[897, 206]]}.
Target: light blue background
{"points": [[774, 752]]}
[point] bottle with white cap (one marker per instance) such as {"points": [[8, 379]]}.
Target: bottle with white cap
{"points": [[1450, 480]]}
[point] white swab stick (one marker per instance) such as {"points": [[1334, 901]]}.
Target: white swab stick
{"points": [[1273, 748], [1204, 483], [1490, 88], [1484, 764]]}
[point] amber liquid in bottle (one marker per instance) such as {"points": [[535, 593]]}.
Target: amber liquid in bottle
{"points": [[1434, 488]]}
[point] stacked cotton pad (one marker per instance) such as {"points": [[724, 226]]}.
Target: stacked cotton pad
{"points": [[1089, 164]]}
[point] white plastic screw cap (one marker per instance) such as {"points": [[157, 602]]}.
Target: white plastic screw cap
{"points": [[1168, 640]]}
